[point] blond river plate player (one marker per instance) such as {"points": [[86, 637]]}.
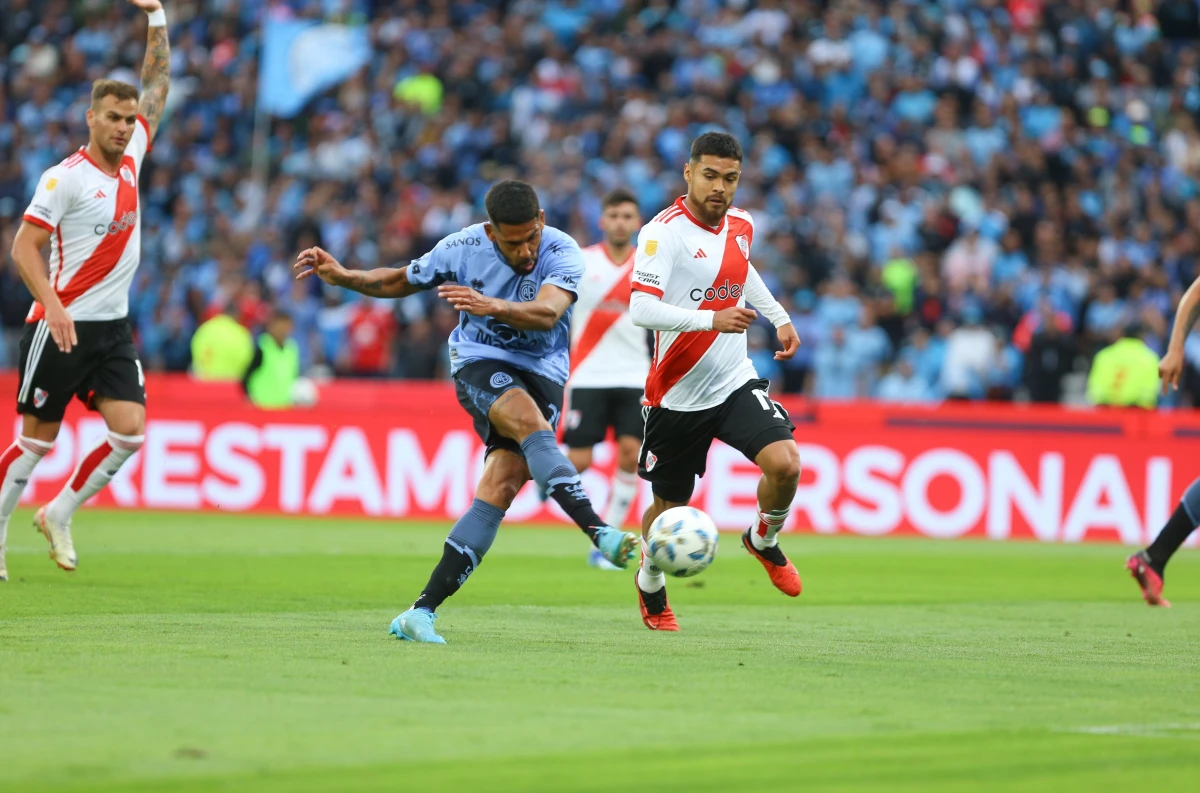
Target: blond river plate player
{"points": [[78, 341], [692, 280]]}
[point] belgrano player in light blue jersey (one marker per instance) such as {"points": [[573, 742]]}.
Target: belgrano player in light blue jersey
{"points": [[513, 280]]}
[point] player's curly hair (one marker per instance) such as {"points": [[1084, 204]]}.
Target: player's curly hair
{"points": [[512, 203], [718, 144]]}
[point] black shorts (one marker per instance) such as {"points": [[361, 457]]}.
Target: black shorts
{"points": [[591, 411], [104, 363], [481, 383], [675, 450]]}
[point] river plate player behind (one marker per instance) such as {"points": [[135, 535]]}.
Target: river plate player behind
{"points": [[78, 342], [513, 280], [692, 279], [1148, 566], [609, 360]]}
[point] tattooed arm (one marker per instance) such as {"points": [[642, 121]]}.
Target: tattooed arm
{"points": [[156, 70], [380, 282], [1171, 365]]}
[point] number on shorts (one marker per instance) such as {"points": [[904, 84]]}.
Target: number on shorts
{"points": [[767, 403]]}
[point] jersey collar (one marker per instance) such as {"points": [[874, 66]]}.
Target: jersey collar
{"points": [[717, 229]]}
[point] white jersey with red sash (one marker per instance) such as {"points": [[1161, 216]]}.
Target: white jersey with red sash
{"points": [[607, 349], [686, 263]]}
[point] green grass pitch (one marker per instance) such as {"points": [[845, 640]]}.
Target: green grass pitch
{"points": [[233, 653]]}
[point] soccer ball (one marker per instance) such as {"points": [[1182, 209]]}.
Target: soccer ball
{"points": [[682, 541]]}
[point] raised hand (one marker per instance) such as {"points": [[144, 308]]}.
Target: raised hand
{"points": [[318, 262]]}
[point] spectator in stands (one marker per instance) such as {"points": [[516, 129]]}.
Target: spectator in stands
{"points": [[1050, 358], [1000, 154], [272, 373], [903, 385], [1125, 373], [970, 355]]}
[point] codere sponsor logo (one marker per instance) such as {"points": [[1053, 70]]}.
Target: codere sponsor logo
{"points": [[723, 292], [126, 221]]}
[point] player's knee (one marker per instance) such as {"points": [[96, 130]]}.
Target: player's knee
{"points": [[783, 468]]}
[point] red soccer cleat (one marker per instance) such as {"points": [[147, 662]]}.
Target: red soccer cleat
{"points": [[1148, 579], [782, 572], [656, 612]]}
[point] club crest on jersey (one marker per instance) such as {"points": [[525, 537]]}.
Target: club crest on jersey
{"points": [[501, 379], [527, 290], [127, 175], [650, 461], [39, 397], [743, 243]]}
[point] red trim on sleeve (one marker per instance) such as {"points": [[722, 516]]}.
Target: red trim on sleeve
{"points": [[38, 222], [653, 290], [149, 137]]}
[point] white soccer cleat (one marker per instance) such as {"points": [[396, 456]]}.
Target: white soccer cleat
{"points": [[62, 550]]}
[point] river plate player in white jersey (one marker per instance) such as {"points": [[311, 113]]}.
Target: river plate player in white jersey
{"points": [[610, 359], [78, 342], [692, 280]]}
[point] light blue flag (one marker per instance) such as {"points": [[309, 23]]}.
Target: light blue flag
{"points": [[301, 58]]}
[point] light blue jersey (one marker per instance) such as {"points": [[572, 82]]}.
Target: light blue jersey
{"points": [[469, 258]]}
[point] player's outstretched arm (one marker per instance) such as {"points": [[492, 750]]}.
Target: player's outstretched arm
{"points": [[156, 70], [761, 298], [1171, 365], [538, 314], [27, 253], [380, 282]]}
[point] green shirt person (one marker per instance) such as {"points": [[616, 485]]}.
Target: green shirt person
{"points": [[221, 349], [1125, 373], [273, 372]]}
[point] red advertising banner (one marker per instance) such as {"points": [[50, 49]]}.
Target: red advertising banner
{"points": [[406, 450]]}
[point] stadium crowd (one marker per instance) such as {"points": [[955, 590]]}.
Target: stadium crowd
{"points": [[954, 199]]}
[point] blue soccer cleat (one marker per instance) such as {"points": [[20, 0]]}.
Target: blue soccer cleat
{"points": [[617, 546], [597, 560], [416, 625]]}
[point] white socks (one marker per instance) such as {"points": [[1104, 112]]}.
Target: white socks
{"points": [[94, 471], [624, 491], [16, 464], [649, 578], [768, 526]]}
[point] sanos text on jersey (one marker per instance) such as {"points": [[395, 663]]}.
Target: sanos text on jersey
{"points": [[464, 241]]}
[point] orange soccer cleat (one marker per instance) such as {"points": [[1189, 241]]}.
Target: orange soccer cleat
{"points": [[656, 612], [782, 572]]}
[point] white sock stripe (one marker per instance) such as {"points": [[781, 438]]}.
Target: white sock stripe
{"points": [[34, 447], [31, 360], [128, 442]]}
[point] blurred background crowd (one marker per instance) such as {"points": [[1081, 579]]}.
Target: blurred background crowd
{"points": [[954, 199]]}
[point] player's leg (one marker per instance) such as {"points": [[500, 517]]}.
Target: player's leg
{"points": [[1148, 567], [517, 416], [625, 416], [674, 453], [126, 421], [586, 424], [760, 429], [47, 380], [504, 474], [115, 387], [16, 465]]}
